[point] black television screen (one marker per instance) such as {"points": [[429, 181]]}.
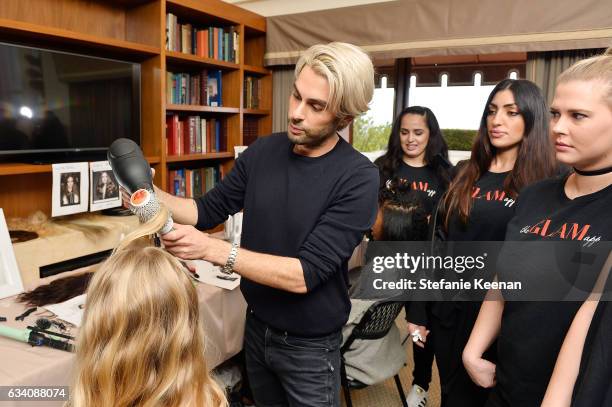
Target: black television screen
{"points": [[57, 102]]}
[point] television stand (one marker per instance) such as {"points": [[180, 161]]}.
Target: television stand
{"points": [[119, 211]]}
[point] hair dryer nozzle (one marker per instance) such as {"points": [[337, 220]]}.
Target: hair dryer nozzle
{"points": [[144, 204]]}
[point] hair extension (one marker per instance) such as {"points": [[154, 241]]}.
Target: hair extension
{"points": [[403, 213], [65, 288], [57, 291], [404, 223]]}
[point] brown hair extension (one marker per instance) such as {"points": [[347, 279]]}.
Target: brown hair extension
{"points": [[57, 291]]}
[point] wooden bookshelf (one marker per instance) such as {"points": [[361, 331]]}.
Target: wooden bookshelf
{"points": [[256, 112], [181, 58], [256, 70], [50, 36], [202, 109], [196, 157], [19, 168], [135, 30]]}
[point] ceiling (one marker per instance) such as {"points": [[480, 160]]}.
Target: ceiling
{"points": [[268, 8]]}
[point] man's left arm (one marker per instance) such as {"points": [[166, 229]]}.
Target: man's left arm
{"points": [[331, 242]]}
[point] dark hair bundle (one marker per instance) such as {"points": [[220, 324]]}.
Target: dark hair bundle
{"points": [[404, 216], [57, 291]]}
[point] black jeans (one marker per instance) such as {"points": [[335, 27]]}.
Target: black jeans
{"points": [[423, 361], [288, 370]]}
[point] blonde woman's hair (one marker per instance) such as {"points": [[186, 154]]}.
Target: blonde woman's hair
{"points": [[597, 68], [141, 342], [349, 72]]}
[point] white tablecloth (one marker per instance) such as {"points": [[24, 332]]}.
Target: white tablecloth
{"points": [[222, 313]]}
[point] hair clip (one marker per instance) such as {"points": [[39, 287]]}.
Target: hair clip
{"points": [[25, 314]]}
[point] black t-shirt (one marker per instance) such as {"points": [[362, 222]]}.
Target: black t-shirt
{"points": [[313, 209], [492, 209], [425, 181], [532, 333]]}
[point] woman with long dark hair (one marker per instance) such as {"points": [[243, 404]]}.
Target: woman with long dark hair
{"points": [[106, 187], [417, 153], [571, 208], [512, 150]]}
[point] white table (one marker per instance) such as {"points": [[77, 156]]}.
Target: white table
{"points": [[222, 312]]}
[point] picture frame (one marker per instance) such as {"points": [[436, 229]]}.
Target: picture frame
{"points": [[239, 150], [104, 191], [70, 192], [10, 277]]}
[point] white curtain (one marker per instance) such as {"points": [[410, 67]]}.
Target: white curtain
{"points": [[282, 84], [543, 68]]}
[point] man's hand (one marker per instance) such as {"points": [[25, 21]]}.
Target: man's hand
{"points": [[186, 242], [423, 331], [481, 371]]}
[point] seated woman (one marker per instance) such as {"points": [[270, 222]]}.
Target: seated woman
{"points": [[141, 342], [401, 217]]}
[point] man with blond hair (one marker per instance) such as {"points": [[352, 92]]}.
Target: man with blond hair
{"points": [[308, 198]]}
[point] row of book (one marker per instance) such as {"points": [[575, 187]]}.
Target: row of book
{"points": [[250, 130], [252, 92], [194, 135], [192, 183], [203, 89], [206, 42]]}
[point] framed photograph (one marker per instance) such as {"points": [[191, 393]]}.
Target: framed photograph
{"points": [[104, 187], [10, 279], [239, 150], [70, 189]]}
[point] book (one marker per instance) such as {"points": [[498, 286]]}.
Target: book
{"points": [[214, 87]]}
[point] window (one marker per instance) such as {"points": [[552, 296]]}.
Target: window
{"points": [[413, 81], [444, 80], [371, 130]]}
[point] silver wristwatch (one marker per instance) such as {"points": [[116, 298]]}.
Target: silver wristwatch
{"points": [[229, 265]]}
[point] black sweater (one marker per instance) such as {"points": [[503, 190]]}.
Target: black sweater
{"points": [[313, 209]]}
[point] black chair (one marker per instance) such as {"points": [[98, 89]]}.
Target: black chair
{"points": [[375, 324]]}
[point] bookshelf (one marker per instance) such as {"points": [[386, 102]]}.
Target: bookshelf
{"points": [[136, 31]]}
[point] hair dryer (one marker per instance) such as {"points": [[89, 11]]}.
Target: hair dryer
{"points": [[134, 174]]}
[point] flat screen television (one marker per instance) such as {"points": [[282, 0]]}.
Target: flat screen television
{"points": [[58, 106]]}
